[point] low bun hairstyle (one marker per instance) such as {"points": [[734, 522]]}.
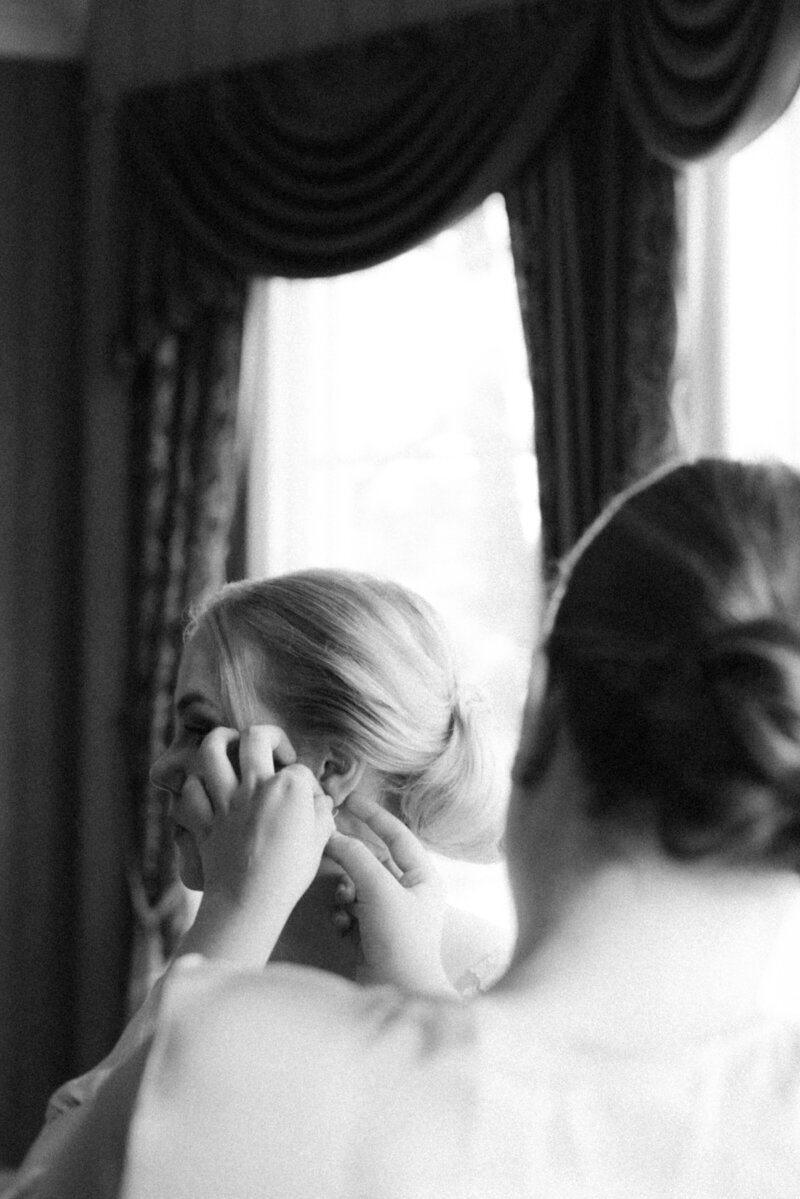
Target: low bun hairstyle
{"points": [[365, 665], [674, 655]]}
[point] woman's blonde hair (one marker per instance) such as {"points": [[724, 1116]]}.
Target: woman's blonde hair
{"points": [[365, 665]]}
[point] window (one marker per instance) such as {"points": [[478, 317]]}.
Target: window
{"points": [[763, 294], [741, 349], [391, 431]]}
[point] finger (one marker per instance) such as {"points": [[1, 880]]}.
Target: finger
{"points": [[263, 749], [345, 890], [323, 806], [369, 877], [352, 826], [296, 784], [193, 809], [301, 775], [215, 767], [341, 920], [323, 801], [405, 848]]}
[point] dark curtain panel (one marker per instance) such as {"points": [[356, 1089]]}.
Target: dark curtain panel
{"points": [[184, 374], [42, 857], [593, 237]]}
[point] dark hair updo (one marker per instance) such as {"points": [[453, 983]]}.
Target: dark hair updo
{"points": [[674, 655]]}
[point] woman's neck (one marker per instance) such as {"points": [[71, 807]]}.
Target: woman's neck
{"points": [[310, 939], [649, 950]]}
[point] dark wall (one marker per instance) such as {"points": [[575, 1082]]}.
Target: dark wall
{"points": [[41, 205]]}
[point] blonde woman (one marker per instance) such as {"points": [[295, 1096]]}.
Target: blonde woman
{"points": [[358, 675], [344, 684]]}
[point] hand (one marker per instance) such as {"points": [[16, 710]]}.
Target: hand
{"points": [[346, 822], [260, 844], [398, 902], [270, 826]]}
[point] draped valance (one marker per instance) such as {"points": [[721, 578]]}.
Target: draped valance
{"points": [[318, 164], [335, 160], [697, 76], [342, 159]]}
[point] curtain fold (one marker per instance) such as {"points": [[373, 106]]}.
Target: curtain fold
{"points": [[593, 236], [332, 163], [699, 75], [184, 369]]}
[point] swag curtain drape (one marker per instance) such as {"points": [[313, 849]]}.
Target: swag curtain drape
{"points": [[593, 234], [594, 231], [702, 75], [332, 163], [342, 159]]}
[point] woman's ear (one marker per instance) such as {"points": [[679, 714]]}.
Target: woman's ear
{"points": [[340, 775]]}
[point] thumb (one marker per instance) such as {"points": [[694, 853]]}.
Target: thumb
{"points": [[370, 877]]}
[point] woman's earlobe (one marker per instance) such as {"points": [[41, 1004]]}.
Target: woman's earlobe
{"points": [[340, 776]]}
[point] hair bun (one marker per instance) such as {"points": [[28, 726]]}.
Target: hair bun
{"points": [[744, 661], [753, 672], [468, 700], [765, 638], [726, 714], [675, 648], [461, 781]]}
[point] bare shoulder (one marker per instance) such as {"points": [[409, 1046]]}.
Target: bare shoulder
{"points": [[475, 952]]}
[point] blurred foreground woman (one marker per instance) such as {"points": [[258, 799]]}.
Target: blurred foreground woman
{"points": [[646, 1039]]}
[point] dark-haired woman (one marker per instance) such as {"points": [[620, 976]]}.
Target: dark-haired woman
{"points": [[646, 1040]]}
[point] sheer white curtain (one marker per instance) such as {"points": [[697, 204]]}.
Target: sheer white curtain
{"points": [[391, 431], [738, 380]]}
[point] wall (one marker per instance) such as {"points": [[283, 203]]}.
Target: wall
{"points": [[40, 547], [104, 831], [153, 41], [42, 29]]}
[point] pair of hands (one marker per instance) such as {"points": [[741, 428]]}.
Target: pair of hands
{"points": [[261, 838]]}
